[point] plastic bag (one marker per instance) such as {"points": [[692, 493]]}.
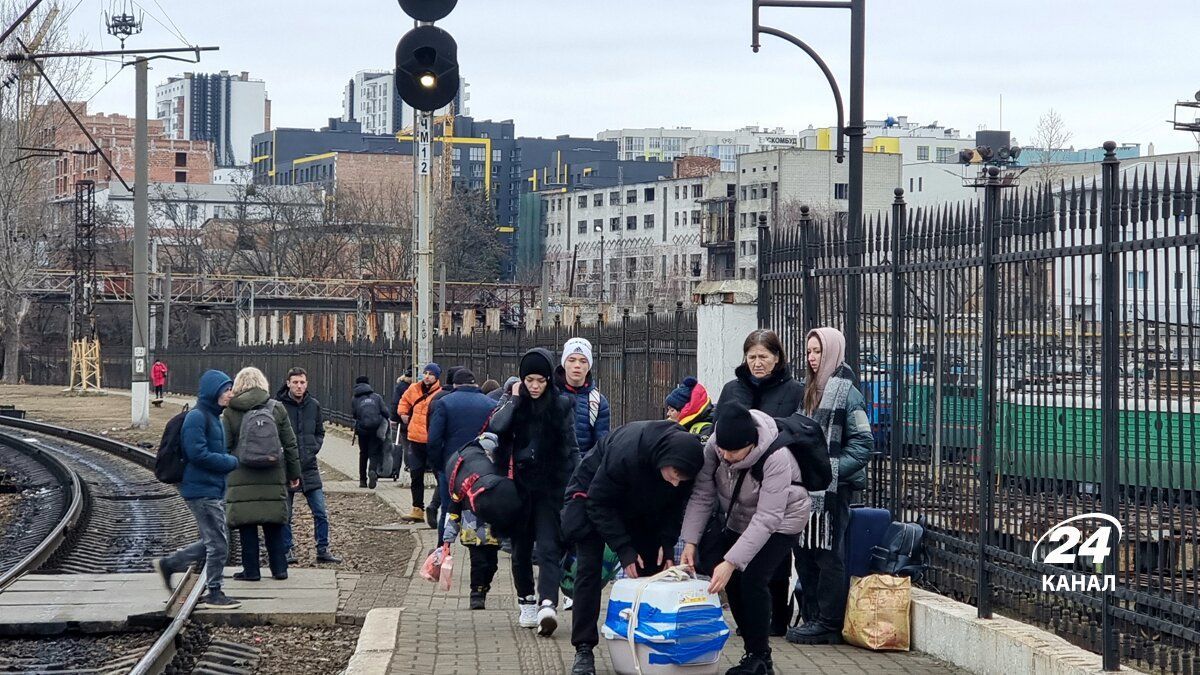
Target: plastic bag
{"points": [[447, 572], [431, 569], [877, 612]]}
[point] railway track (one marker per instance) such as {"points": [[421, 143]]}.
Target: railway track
{"points": [[98, 509]]}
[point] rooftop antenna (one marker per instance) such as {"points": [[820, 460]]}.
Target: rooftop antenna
{"points": [[121, 22]]}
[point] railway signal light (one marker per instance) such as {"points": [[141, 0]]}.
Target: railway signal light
{"points": [[428, 10], [427, 58]]}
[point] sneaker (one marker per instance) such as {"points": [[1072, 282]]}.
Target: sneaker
{"points": [[547, 619], [215, 599], [753, 664], [291, 557], [529, 612], [160, 566], [814, 633], [568, 603], [372, 479], [585, 662], [417, 514], [324, 556], [479, 597], [431, 517]]}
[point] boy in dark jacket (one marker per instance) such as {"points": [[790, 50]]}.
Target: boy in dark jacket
{"points": [[369, 413], [203, 489], [574, 377], [304, 412], [629, 493]]}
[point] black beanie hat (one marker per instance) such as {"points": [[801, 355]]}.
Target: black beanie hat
{"points": [[734, 426], [680, 449], [534, 362], [362, 379], [463, 376]]}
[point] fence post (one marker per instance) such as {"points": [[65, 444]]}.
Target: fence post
{"points": [[624, 355], [675, 374], [649, 366], [896, 425], [991, 213], [1109, 383], [764, 270], [810, 281]]}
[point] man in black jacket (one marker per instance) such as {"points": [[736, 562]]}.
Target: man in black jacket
{"points": [[304, 411], [629, 492]]}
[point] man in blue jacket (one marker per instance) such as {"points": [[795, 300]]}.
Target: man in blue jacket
{"points": [[457, 418], [203, 489], [574, 377]]}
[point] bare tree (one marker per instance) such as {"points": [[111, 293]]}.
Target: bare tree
{"points": [[379, 216], [31, 233], [1050, 134], [464, 238]]}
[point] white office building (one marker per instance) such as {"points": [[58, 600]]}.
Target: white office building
{"points": [[370, 98], [663, 144], [225, 109]]}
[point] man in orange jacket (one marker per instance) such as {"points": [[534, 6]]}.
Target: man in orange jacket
{"points": [[414, 411]]}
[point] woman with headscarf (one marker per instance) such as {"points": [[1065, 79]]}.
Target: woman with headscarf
{"points": [[834, 402], [535, 426]]}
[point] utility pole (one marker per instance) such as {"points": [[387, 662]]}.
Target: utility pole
{"points": [[140, 383], [424, 336]]}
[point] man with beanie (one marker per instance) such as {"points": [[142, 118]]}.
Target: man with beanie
{"points": [[689, 406], [628, 493], [414, 411], [457, 418], [370, 413], [574, 376]]}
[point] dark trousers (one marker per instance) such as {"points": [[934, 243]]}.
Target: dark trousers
{"points": [[749, 595], [822, 573], [484, 560], [589, 568], [369, 458], [540, 525], [781, 596], [442, 502], [158, 389], [418, 457], [276, 549]]}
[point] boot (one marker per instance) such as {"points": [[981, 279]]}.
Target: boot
{"points": [[753, 664], [417, 514], [814, 633], [324, 556], [585, 662], [479, 597], [431, 517]]}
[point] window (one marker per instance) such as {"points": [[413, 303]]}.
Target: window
{"points": [[841, 190], [754, 192], [193, 213], [922, 153], [910, 184], [614, 198], [1179, 281], [1135, 280], [477, 154], [582, 228], [181, 159], [598, 199], [477, 171], [920, 183], [696, 217], [457, 154], [631, 197], [648, 221], [676, 192], [497, 155], [614, 224], [366, 251], [583, 201], [631, 222], [697, 191], [676, 219], [635, 144], [648, 194], [945, 155], [744, 192], [743, 223], [180, 176], [695, 265]]}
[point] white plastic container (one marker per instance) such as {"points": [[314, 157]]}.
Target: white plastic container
{"points": [[679, 629]]}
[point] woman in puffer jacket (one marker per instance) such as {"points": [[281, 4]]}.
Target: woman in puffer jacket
{"points": [[763, 520]]}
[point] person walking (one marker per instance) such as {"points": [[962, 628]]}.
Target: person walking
{"points": [[835, 403], [628, 493], [534, 423], [574, 376], [457, 418], [203, 490], [304, 414], [764, 382], [370, 413], [257, 426], [398, 428], [158, 377], [756, 483], [414, 410], [435, 512], [689, 406]]}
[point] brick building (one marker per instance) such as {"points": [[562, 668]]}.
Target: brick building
{"points": [[171, 161]]}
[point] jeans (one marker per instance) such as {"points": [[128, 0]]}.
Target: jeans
{"points": [[213, 548], [316, 504], [417, 458], [822, 573], [749, 595], [484, 560], [589, 568], [276, 551], [541, 525], [443, 501]]}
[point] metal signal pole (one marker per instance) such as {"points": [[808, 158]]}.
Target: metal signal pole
{"points": [[140, 382], [423, 339]]}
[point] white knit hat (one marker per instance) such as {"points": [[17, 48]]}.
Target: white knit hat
{"points": [[577, 345]]}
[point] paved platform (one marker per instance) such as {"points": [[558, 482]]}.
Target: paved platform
{"points": [[47, 604]]}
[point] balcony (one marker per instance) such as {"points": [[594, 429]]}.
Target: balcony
{"points": [[718, 232]]}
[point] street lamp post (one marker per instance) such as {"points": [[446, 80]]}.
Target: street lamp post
{"points": [[854, 130]]}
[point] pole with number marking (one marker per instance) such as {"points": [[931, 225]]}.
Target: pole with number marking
{"points": [[424, 336]]}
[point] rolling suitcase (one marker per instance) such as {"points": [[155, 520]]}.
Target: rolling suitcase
{"points": [[865, 531]]}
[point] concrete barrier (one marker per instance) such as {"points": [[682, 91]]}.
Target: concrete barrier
{"points": [[376, 643], [951, 631]]}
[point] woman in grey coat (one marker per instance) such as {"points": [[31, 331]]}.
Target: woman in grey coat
{"points": [[764, 520]]}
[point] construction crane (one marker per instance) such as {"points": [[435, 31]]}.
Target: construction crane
{"points": [[446, 184], [28, 72]]}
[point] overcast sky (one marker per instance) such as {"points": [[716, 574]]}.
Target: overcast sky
{"points": [[1113, 69]]}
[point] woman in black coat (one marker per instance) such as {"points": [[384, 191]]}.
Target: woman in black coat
{"points": [[535, 425], [764, 382]]}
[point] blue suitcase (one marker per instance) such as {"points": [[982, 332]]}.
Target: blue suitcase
{"points": [[865, 532]]}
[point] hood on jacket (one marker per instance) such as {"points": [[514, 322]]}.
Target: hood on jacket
{"points": [[560, 380], [833, 353], [768, 431], [362, 389], [696, 407], [774, 379], [680, 449], [212, 384], [249, 399]]}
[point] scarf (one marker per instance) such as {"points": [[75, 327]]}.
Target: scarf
{"points": [[831, 415]]}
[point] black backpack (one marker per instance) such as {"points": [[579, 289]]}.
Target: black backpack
{"points": [[805, 439], [902, 552], [368, 415], [170, 459]]}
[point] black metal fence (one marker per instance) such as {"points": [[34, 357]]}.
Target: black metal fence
{"points": [[1028, 358], [638, 360]]}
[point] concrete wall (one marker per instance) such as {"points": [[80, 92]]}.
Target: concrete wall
{"points": [[721, 329]]}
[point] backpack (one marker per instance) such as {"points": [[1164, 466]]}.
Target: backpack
{"points": [[170, 460], [902, 552], [593, 407], [258, 444], [809, 449], [367, 415]]}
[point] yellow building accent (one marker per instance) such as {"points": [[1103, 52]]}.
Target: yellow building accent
{"points": [[823, 136], [313, 158], [889, 144], [260, 158], [487, 151], [506, 229]]}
